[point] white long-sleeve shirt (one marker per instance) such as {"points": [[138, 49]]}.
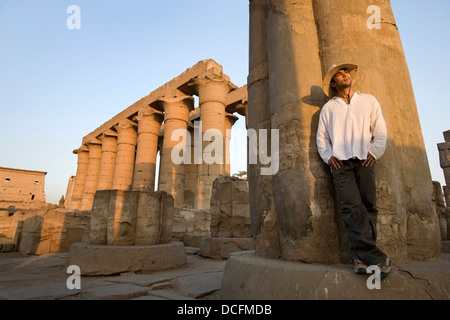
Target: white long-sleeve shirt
{"points": [[353, 130]]}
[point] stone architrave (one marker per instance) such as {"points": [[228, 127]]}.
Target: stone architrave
{"points": [[126, 150], [261, 189], [80, 178], [149, 121], [108, 161], [213, 88], [176, 118], [90, 185]]}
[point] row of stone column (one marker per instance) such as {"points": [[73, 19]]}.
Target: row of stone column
{"points": [[125, 156]]}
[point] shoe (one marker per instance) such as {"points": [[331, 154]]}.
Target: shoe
{"points": [[385, 268], [359, 267]]}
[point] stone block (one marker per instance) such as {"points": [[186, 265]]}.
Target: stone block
{"points": [[125, 218], [249, 277], [7, 247], [154, 218], [99, 217], [192, 240], [122, 218], [447, 136], [97, 260], [221, 248], [447, 195], [447, 175], [444, 154]]}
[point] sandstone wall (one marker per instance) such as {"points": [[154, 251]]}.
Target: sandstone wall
{"points": [[230, 211], [48, 230], [21, 188]]}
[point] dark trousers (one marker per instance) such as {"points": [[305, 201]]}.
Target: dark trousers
{"points": [[355, 187]]}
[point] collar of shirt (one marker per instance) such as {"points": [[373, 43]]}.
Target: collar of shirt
{"points": [[343, 103]]}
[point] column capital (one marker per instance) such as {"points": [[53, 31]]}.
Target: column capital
{"points": [[109, 133], [164, 102], [80, 150], [94, 141], [212, 76], [231, 118], [125, 124], [149, 112], [176, 107]]}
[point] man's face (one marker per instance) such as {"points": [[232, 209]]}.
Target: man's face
{"points": [[342, 79]]}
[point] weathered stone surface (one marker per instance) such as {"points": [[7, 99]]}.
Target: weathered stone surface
{"points": [[221, 248], [131, 218], [249, 277], [21, 188], [95, 260], [447, 136], [99, 217], [190, 223], [230, 211], [48, 230], [262, 207], [439, 204], [447, 195]]}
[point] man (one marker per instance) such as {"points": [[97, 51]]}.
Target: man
{"points": [[351, 137]]}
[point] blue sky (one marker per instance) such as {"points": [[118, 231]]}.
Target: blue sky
{"points": [[57, 85]]}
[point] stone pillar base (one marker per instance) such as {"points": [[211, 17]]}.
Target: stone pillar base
{"points": [[101, 260], [249, 277], [221, 248]]}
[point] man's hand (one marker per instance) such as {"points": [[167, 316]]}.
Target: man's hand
{"points": [[335, 163], [369, 162]]}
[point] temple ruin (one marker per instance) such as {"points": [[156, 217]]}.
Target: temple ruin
{"points": [[123, 214]]}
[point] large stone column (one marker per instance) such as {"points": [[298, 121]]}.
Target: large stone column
{"points": [[149, 121], [126, 150], [408, 226], [80, 178], [212, 89], [303, 190], [230, 120], [90, 186], [190, 181], [108, 161], [176, 117], [261, 190]]}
